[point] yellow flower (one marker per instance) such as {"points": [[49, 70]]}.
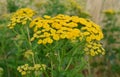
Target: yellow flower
{"points": [[21, 16], [48, 29], [1, 71], [44, 41], [88, 24], [82, 21], [56, 37], [47, 17], [31, 68], [52, 31], [46, 26], [46, 34], [86, 49], [28, 54], [86, 33], [26, 69], [19, 69], [49, 40], [23, 73], [40, 41], [92, 53], [94, 48], [75, 19], [32, 39], [72, 24], [99, 50], [43, 67], [109, 11], [103, 53], [69, 35], [39, 67], [62, 36], [35, 21], [88, 39], [56, 26], [89, 45]]}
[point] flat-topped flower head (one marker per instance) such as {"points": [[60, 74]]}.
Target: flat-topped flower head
{"points": [[94, 48], [27, 69], [21, 16], [48, 29]]}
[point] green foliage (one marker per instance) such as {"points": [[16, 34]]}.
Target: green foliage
{"points": [[67, 58], [14, 44], [11, 6], [111, 31], [54, 7]]}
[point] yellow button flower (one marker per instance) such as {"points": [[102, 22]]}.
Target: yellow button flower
{"points": [[23, 73]]}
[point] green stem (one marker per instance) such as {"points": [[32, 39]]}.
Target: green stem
{"points": [[59, 60], [33, 59], [89, 68], [28, 35], [17, 45], [15, 31], [69, 63], [75, 49], [71, 58], [51, 68]]}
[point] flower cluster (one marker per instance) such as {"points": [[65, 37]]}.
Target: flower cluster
{"points": [[21, 16], [109, 11], [94, 48], [91, 31], [26, 69], [48, 29], [28, 54]]}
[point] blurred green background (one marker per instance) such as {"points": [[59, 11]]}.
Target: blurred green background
{"points": [[103, 12]]}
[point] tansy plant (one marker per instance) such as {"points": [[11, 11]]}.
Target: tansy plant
{"points": [[54, 46]]}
